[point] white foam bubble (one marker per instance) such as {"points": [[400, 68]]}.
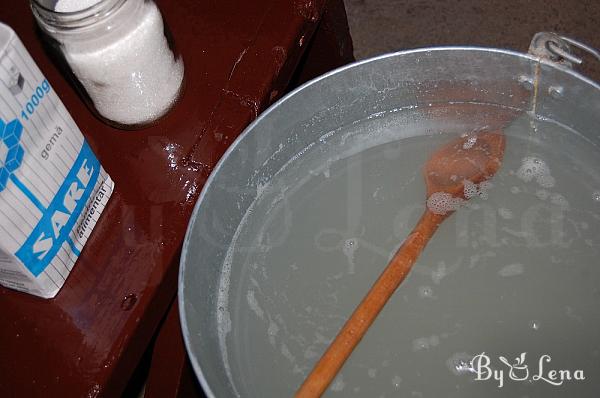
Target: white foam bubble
{"points": [[546, 181], [470, 141], [348, 248], [470, 189], [376, 193], [534, 324], [223, 315], [285, 351], [512, 270], [532, 168], [272, 332], [443, 203], [481, 190], [439, 273], [535, 168], [396, 381], [596, 196], [460, 363], [421, 343], [338, 384], [426, 292], [484, 186], [372, 372], [261, 187], [253, 304]]}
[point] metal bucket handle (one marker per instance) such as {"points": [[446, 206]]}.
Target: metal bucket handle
{"points": [[556, 48]]}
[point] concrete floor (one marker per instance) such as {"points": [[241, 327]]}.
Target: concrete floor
{"points": [[380, 26]]}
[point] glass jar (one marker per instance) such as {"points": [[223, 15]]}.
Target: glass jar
{"points": [[121, 53]]}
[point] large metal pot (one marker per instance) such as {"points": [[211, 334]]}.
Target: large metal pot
{"points": [[468, 88]]}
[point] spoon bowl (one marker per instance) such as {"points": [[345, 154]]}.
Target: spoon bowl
{"points": [[474, 158]]}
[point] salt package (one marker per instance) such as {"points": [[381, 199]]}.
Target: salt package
{"points": [[52, 187]]}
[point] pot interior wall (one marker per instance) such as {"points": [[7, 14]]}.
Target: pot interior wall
{"points": [[467, 88]]}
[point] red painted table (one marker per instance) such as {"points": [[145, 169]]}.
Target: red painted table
{"points": [[239, 57]]}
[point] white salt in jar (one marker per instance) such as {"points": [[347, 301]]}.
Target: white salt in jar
{"points": [[119, 52]]}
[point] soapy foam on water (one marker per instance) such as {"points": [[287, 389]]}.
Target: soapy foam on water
{"points": [[511, 270], [481, 190], [439, 273], [272, 332], [460, 364], [356, 138], [484, 187], [224, 324], [468, 144], [546, 181], [535, 168], [253, 304], [442, 203], [338, 383], [470, 189], [426, 292], [425, 343], [348, 248]]}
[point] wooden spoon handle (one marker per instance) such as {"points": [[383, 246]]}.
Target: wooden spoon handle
{"points": [[357, 325]]}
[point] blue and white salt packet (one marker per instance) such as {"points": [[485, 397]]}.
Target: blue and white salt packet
{"points": [[52, 187]]}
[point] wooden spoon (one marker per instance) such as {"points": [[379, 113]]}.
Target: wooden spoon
{"points": [[471, 159]]}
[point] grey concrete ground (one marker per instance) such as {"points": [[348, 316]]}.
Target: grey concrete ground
{"points": [[379, 26]]}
